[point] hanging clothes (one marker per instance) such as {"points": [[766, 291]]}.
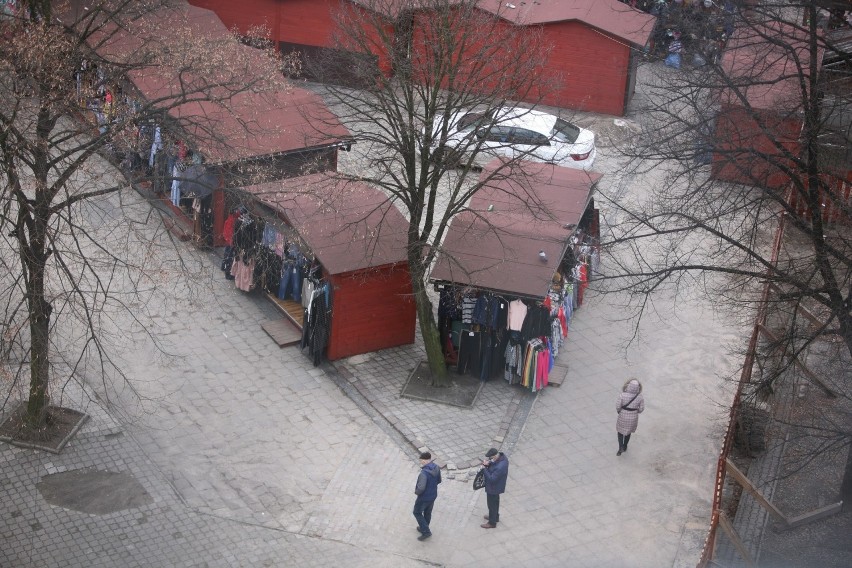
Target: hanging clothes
{"points": [[517, 314], [317, 324], [584, 282], [468, 304], [470, 346]]}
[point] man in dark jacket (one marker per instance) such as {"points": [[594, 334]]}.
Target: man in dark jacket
{"points": [[427, 491], [496, 471]]}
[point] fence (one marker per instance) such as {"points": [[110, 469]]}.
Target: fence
{"points": [[718, 514]]}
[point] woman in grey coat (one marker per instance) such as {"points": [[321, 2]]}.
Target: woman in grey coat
{"points": [[629, 404]]}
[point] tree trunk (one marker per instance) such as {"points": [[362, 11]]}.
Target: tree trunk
{"points": [[39, 357], [32, 238], [429, 331]]}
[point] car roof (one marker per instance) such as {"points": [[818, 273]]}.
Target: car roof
{"points": [[535, 120]]}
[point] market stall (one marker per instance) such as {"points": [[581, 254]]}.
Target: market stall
{"points": [[512, 270], [339, 267]]}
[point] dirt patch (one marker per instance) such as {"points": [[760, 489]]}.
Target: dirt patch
{"points": [[462, 390], [62, 424]]}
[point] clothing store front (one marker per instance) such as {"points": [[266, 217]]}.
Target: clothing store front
{"points": [[513, 270], [255, 136], [336, 264]]}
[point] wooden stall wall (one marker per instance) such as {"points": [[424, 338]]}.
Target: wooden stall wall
{"points": [[740, 141], [592, 69], [372, 309], [587, 69]]}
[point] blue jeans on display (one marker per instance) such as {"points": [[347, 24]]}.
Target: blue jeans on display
{"points": [[423, 514], [291, 283]]}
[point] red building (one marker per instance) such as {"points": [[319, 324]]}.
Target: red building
{"points": [[359, 237], [596, 42], [759, 122], [305, 27]]}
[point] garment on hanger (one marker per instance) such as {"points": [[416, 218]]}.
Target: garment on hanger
{"points": [[470, 347], [517, 314], [468, 304]]}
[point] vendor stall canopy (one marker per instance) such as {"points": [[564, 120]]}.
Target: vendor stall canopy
{"points": [[347, 225], [516, 229], [230, 99]]}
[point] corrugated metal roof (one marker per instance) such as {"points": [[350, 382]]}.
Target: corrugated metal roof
{"points": [[496, 244], [610, 16], [347, 225]]}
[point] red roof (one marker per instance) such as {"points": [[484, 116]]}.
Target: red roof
{"points": [[495, 244], [261, 120], [766, 72], [347, 225], [248, 124], [611, 16]]}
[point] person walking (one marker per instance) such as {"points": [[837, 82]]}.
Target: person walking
{"points": [[427, 491], [629, 404], [496, 471]]}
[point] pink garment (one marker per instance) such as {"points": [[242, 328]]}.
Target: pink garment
{"points": [[542, 369], [517, 313], [244, 279]]}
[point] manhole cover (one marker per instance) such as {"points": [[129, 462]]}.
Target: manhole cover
{"points": [[93, 491]]}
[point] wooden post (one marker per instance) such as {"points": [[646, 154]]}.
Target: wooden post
{"points": [[811, 376], [726, 525], [749, 487]]}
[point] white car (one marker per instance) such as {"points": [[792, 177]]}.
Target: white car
{"points": [[518, 133]]}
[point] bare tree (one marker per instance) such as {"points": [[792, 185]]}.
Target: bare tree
{"points": [[58, 270], [760, 138], [419, 66]]}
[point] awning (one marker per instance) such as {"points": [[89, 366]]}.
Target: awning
{"points": [[497, 244]]}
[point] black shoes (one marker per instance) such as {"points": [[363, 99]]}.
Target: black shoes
{"points": [[423, 537]]}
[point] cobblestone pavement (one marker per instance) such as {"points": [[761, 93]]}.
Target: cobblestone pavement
{"points": [[256, 458], [167, 532]]}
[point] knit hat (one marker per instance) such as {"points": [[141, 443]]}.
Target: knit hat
{"points": [[491, 453], [425, 456]]}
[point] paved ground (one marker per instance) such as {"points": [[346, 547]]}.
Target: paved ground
{"points": [[254, 457]]}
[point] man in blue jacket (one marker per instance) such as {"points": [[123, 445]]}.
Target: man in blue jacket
{"points": [[427, 491], [496, 471]]}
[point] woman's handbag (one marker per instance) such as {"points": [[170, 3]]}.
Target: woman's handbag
{"points": [[479, 480]]}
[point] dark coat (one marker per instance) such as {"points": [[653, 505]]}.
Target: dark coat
{"points": [[496, 474], [427, 483]]}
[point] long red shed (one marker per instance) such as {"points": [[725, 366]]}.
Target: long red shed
{"points": [[596, 42], [303, 26], [596, 45]]}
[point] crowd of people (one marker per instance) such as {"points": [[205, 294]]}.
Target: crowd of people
{"points": [[689, 31]]}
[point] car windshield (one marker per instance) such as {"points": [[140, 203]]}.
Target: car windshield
{"points": [[564, 131], [472, 120]]}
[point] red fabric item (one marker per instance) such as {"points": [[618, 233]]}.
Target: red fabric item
{"points": [[584, 281], [228, 229], [563, 321]]}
